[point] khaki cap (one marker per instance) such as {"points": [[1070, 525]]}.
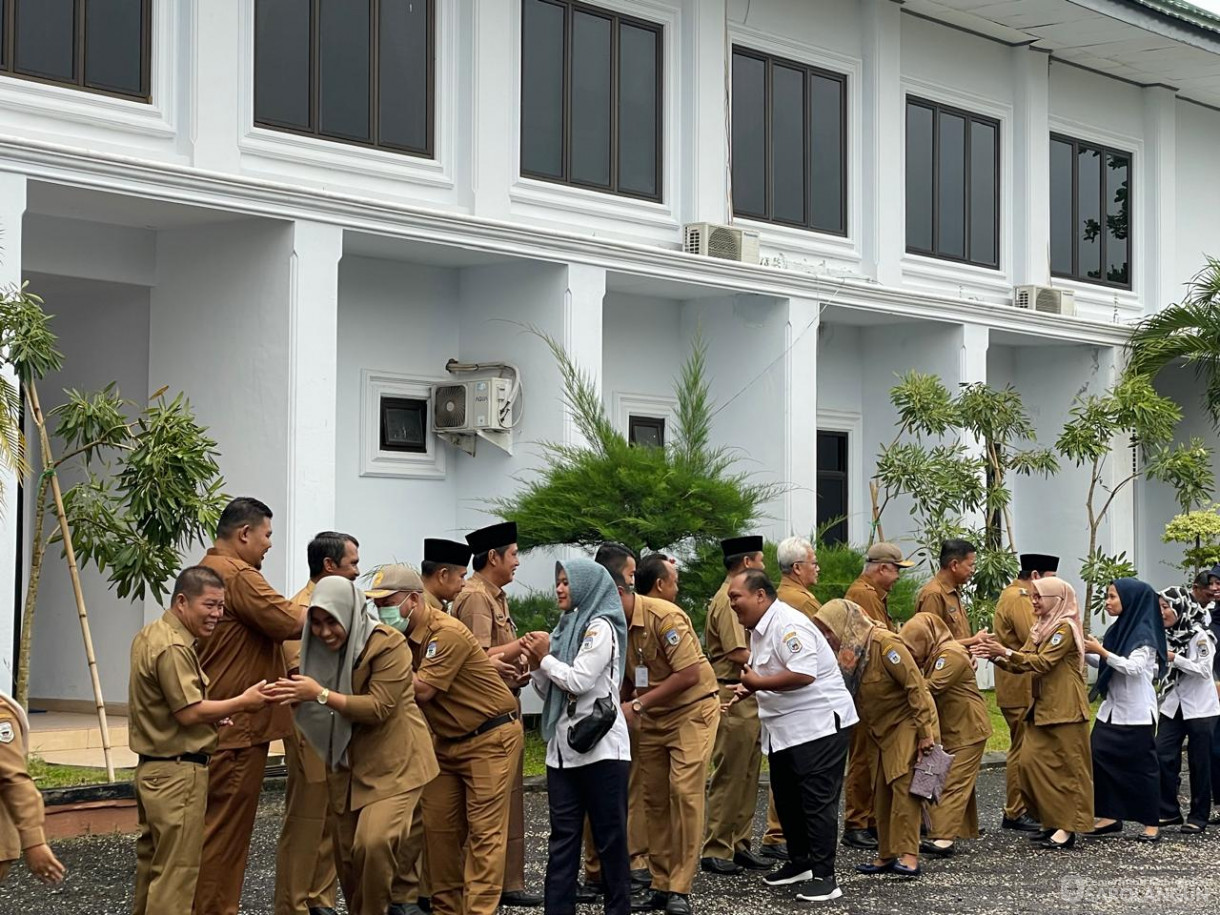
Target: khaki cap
{"points": [[887, 552], [391, 579]]}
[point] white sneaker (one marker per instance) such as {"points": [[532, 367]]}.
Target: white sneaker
{"points": [[791, 872], [823, 889]]}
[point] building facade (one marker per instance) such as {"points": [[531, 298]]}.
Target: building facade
{"points": [[298, 211]]}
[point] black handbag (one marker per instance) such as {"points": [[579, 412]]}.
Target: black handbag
{"points": [[585, 734]]}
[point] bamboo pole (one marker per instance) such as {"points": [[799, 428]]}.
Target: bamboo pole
{"points": [[73, 572], [876, 534]]}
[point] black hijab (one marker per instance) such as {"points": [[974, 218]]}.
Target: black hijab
{"points": [[1138, 625]]}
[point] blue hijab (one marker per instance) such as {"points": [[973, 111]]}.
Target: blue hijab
{"points": [[594, 596], [1138, 625]]}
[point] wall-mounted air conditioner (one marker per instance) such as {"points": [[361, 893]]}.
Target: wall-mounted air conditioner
{"points": [[725, 242], [482, 408], [1045, 299]]}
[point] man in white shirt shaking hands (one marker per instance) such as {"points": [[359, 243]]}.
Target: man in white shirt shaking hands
{"points": [[806, 714]]}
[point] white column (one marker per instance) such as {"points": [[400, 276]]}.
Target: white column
{"points": [[313, 335], [972, 369], [218, 63], [884, 229], [704, 133], [801, 416], [582, 329], [496, 52], [1031, 166], [12, 208], [1158, 254]]}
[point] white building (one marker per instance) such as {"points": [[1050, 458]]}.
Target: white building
{"points": [[534, 164]]}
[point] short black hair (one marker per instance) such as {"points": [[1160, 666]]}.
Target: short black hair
{"points": [[1204, 579], [613, 558], [194, 580], [758, 580], [237, 514], [327, 545], [1025, 575], [955, 549], [732, 562], [653, 568], [429, 567]]}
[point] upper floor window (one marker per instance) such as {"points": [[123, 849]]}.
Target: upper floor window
{"points": [[953, 184], [1090, 212], [590, 98], [359, 71], [789, 143], [99, 45]]}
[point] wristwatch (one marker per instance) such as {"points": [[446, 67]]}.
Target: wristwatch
{"points": [[1008, 652], [637, 706], [323, 697]]}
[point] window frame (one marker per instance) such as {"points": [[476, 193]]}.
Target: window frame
{"points": [[843, 476], [937, 108], [8, 53], [315, 132], [770, 60], [617, 18], [1105, 150], [388, 402], [652, 422]]}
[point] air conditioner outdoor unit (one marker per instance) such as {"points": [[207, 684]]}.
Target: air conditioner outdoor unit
{"points": [[1045, 299], [479, 405], [725, 242]]}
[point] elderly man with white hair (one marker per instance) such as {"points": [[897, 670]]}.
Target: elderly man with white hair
{"points": [[799, 565]]}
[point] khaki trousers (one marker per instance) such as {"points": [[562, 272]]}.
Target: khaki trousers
{"points": [[898, 813], [732, 792], [235, 779], [409, 882], [858, 786], [674, 752], [637, 821], [171, 798], [514, 854], [367, 845], [1014, 800], [466, 813], [956, 814], [775, 832], [305, 874]]}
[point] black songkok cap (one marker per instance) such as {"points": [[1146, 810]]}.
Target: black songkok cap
{"points": [[740, 546], [446, 552], [1039, 562], [495, 537]]}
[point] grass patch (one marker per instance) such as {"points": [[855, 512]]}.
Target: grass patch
{"points": [[51, 775], [535, 753]]}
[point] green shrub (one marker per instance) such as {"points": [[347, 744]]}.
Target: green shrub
{"points": [[536, 611]]}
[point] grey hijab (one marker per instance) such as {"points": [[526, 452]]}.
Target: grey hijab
{"points": [[326, 730]]}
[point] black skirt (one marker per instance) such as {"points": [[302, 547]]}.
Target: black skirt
{"points": [[1126, 773]]}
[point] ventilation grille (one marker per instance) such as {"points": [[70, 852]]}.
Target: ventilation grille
{"points": [[449, 406]]}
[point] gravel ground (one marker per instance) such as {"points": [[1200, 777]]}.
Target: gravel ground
{"points": [[998, 873]]}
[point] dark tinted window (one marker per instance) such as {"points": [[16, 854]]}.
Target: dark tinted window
{"points": [[590, 98], [404, 425], [648, 431], [114, 40], [953, 186], [789, 143], [832, 486], [1090, 212], [46, 39], [361, 71]]}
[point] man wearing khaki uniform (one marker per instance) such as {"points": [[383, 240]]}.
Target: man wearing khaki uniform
{"points": [[173, 730], [737, 756], [305, 872], [21, 812], [883, 563], [244, 648], [942, 595]]}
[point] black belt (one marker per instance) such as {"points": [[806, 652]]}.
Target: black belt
{"points": [[489, 725], [729, 682], [199, 759]]}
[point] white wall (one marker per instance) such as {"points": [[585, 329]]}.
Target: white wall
{"points": [[1196, 189], [103, 334], [644, 347]]}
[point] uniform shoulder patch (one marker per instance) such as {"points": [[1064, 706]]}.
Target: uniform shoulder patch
{"points": [[672, 637], [791, 640], [892, 656], [1204, 648], [587, 642], [1024, 592], [430, 651], [940, 663], [6, 732], [1056, 638]]}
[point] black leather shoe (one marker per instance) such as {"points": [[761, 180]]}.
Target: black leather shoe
{"points": [[1144, 837], [1193, 829], [679, 904], [751, 861], [425, 903], [588, 892], [778, 851], [643, 901], [871, 869], [520, 899], [1041, 835], [1023, 823], [1069, 842], [641, 877], [928, 847], [1102, 831], [396, 908], [858, 838], [901, 870], [322, 910], [720, 866]]}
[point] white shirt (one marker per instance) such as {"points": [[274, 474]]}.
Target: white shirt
{"points": [[785, 640], [1130, 698], [592, 674], [1194, 692]]}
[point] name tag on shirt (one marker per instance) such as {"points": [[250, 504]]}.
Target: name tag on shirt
{"points": [[641, 677]]}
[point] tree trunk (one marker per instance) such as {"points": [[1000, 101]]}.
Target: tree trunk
{"points": [[22, 688], [73, 572]]}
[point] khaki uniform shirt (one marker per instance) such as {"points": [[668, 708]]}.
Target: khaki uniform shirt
{"points": [[1014, 617], [245, 648], [292, 647], [1057, 686], [894, 703], [797, 596], [21, 814], [390, 751], [661, 640], [941, 596], [470, 691], [166, 678], [959, 704], [434, 602], [483, 608], [870, 599], [724, 634]]}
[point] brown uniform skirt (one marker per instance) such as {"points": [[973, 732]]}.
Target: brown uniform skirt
{"points": [[956, 814], [1057, 775]]}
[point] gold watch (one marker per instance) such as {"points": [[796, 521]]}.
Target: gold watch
{"points": [[637, 706], [323, 697]]}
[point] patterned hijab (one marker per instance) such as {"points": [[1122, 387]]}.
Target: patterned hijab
{"points": [[926, 635], [1058, 607], [849, 630], [1193, 617]]}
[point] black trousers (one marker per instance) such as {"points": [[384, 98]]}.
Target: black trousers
{"points": [[806, 780], [1197, 732], [598, 791]]}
